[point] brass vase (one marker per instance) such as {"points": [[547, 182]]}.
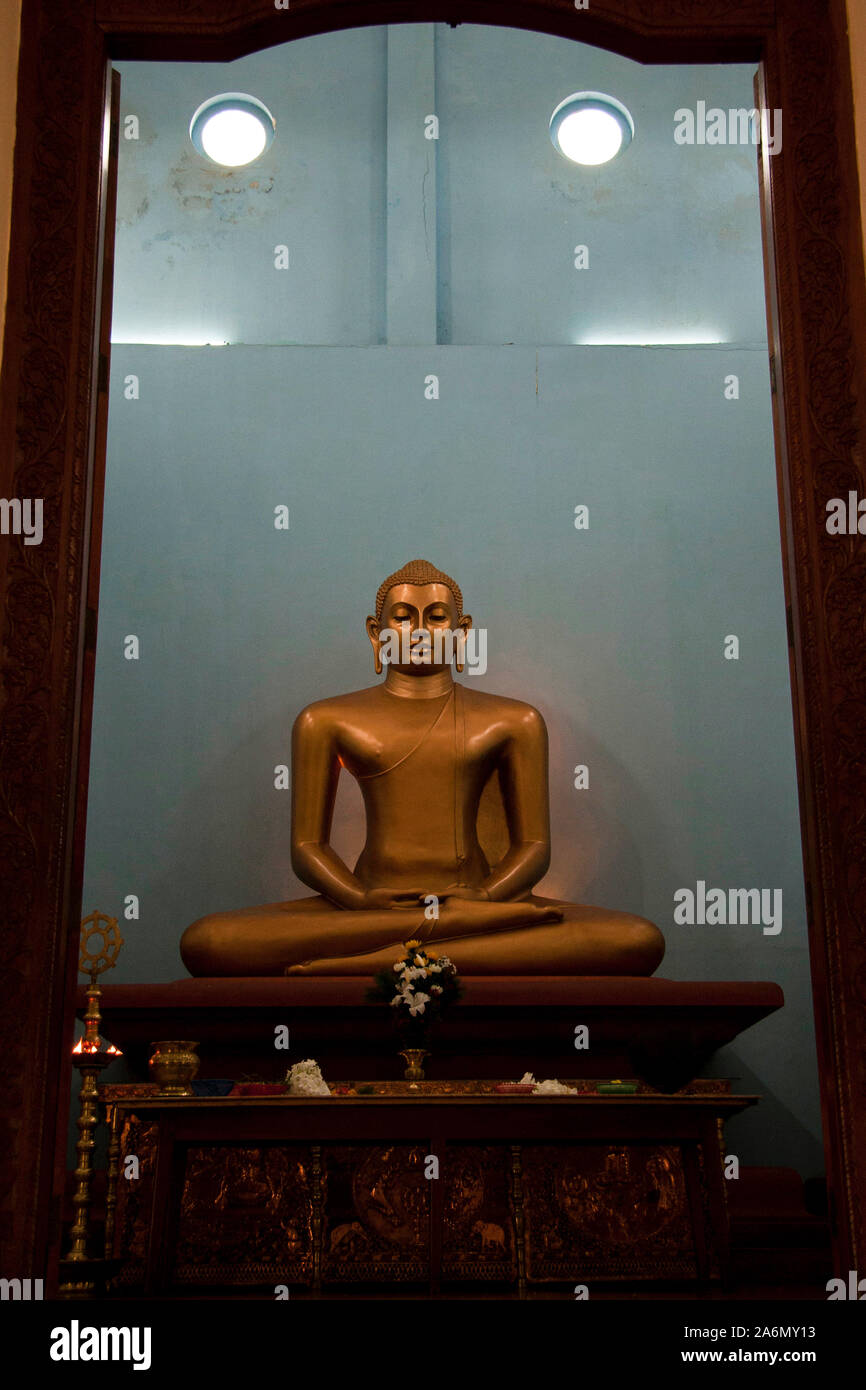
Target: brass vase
{"points": [[172, 1066], [414, 1056]]}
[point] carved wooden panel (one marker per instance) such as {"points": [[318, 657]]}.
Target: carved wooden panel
{"points": [[245, 1216], [478, 1235], [377, 1214], [617, 1212], [45, 414], [44, 423], [607, 1212], [135, 1199]]}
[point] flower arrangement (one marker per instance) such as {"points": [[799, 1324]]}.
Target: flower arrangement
{"points": [[305, 1079], [546, 1088], [419, 988]]}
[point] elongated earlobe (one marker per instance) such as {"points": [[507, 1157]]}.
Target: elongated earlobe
{"points": [[373, 634], [460, 646]]}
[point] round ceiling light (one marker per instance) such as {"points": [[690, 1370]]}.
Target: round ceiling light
{"points": [[590, 128], [232, 129]]}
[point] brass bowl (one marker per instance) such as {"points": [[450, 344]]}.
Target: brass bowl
{"points": [[172, 1065]]}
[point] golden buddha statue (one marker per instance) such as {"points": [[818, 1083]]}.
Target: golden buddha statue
{"points": [[443, 770]]}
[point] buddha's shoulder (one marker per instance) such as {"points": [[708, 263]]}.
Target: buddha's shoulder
{"points": [[333, 711], [481, 704]]}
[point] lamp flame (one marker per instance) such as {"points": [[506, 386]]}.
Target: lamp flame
{"points": [[98, 1046]]}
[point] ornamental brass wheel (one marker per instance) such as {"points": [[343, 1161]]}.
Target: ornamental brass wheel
{"points": [[100, 943]]}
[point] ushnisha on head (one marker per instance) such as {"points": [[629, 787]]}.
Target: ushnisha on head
{"points": [[416, 603]]}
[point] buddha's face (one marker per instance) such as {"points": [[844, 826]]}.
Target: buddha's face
{"points": [[421, 616]]}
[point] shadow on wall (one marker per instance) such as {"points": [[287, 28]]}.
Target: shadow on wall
{"points": [[769, 1133], [594, 856]]}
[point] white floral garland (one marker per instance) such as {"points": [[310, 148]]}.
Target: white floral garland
{"points": [[305, 1079], [545, 1088]]}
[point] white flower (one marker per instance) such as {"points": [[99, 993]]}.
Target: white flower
{"points": [[552, 1088], [435, 969], [435, 989], [417, 1005], [305, 1079], [399, 966]]}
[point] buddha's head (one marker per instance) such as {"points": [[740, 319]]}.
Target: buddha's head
{"points": [[419, 620]]}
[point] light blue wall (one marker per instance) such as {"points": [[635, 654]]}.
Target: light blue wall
{"points": [[198, 240], [615, 633], [673, 230]]}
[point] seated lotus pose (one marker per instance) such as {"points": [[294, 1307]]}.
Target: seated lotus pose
{"points": [[442, 767]]}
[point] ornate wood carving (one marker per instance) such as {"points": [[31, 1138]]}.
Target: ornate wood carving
{"points": [[478, 1235], [46, 419], [132, 1200], [820, 289], [247, 1213], [45, 410], [376, 1214], [618, 1212], [605, 1212]]}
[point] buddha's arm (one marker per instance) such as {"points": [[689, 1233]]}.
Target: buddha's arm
{"points": [[315, 773], [523, 777]]}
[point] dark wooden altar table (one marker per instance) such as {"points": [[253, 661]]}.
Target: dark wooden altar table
{"points": [[330, 1193]]}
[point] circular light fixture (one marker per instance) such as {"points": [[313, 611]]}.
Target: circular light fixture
{"points": [[232, 129], [590, 128]]}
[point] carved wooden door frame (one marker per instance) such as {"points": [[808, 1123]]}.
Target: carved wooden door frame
{"points": [[53, 390]]}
